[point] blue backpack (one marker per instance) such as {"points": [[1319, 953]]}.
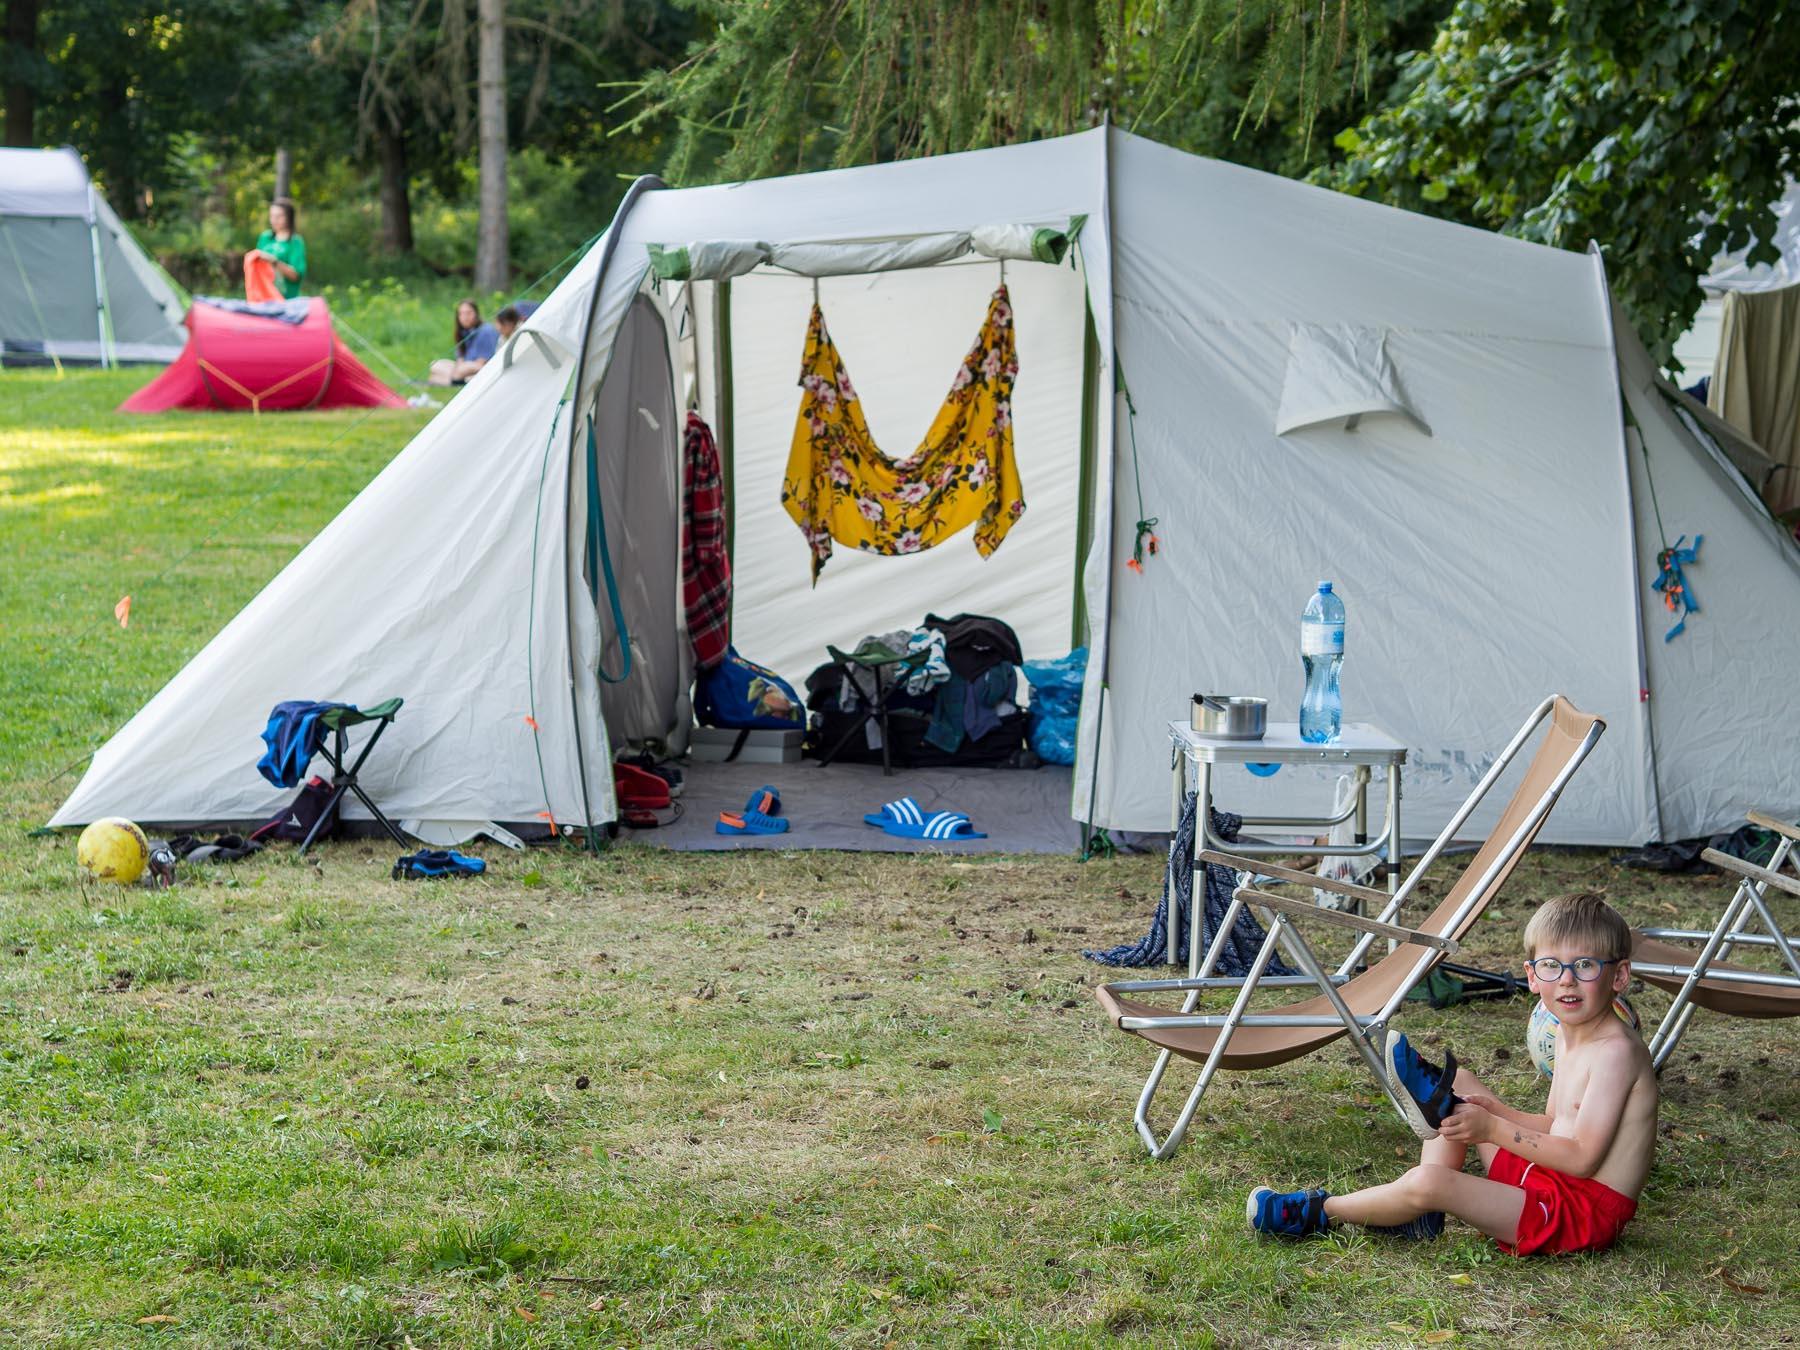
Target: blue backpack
{"points": [[741, 694]]}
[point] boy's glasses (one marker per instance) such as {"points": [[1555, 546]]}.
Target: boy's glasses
{"points": [[1586, 968]]}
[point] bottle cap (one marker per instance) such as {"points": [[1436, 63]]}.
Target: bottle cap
{"points": [[1324, 587]]}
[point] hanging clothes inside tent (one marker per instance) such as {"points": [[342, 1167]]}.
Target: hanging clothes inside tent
{"points": [[839, 485], [705, 563]]}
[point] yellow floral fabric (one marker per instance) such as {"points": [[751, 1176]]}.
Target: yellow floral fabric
{"points": [[840, 486]]}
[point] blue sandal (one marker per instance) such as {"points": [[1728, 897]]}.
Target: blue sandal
{"points": [[437, 863], [904, 820], [749, 822]]}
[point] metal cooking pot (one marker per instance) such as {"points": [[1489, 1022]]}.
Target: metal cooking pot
{"points": [[1230, 717]]}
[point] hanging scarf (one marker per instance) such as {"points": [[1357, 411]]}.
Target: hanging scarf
{"points": [[839, 485]]}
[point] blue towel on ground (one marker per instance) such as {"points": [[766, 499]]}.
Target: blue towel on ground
{"points": [[1247, 937], [293, 735]]}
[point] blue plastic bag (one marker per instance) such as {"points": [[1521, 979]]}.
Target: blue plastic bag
{"points": [[1055, 705]]}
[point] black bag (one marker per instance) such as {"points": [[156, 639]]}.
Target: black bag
{"points": [[295, 820]]}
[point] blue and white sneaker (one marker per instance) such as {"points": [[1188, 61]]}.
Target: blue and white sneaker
{"points": [[1423, 1088], [1428, 1227], [1296, 1214]]}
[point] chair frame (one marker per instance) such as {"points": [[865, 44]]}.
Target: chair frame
{"points": [[1367, 1034], [1754, 884], [875, 704], [344, 780]]}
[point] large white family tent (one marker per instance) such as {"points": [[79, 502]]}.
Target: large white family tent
{"points": [[75, 287], [1456, 428]]}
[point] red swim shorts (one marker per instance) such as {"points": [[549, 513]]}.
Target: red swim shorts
{"points": [[1562, 1213]]}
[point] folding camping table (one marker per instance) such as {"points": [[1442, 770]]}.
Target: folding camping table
{"points": [[1360, 747]]}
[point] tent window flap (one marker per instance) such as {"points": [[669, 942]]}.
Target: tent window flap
{"points": [[1339, 373]]}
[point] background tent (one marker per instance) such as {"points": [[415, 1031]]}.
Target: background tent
{"points": [[270, 357], [1745, 342], [74, 285], [1428, 414]]}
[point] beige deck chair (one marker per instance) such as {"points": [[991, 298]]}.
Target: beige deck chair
{"points": [[1705, 978], [1362, 1004]]}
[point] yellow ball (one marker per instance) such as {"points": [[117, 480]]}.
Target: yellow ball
{"points": [[112, 850]]}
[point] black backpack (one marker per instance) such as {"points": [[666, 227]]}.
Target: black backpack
{"points": [[297, 818]]}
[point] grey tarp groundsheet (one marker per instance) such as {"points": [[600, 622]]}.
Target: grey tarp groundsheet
{"points": [[1020, 810]]}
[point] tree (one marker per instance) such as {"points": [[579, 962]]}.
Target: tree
{"points": [[491, 256], [789, 85], [22, 70], [126, 82], [1662, 132]]}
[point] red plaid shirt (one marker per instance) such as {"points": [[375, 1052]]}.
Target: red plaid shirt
{"points": [[705, 565]]}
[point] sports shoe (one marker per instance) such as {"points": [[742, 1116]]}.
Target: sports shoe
{"points": [[1422, 1088], [1426, 1228], [1296, 1214]]}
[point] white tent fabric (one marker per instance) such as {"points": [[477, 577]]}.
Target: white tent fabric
{"points": [[1495, 559], [426, 587], [74, 285]]}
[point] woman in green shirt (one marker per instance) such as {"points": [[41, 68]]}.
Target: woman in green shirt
{"points": [[283, 248]]}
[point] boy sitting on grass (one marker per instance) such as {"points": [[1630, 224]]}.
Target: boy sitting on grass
{"points": [[1566, 1181]]}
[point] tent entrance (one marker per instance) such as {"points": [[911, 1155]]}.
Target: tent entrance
{"points": [[634, 462], [902, 335]]}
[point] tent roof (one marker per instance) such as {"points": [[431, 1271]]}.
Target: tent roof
{"points": [[43, 183]]}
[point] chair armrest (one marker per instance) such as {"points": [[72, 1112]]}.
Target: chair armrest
{"points": [[1341, 919], [1769, 822], [1243, 864], [1779, 880]]}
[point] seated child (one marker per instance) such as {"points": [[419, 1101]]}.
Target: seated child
{"points": [[507, 321], [1565, 1181]]}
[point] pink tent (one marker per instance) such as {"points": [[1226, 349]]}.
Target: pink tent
{"points": [[267, 358]]}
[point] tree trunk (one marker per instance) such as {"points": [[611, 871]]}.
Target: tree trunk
{"points": [[115, 156], [284, 171], [491, 264], [20, 96], [396, 194]]}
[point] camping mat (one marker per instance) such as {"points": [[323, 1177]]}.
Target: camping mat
{"points": [[1020, 810]]}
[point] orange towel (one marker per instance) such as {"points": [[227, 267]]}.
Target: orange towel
{"points": [[259, 278]]}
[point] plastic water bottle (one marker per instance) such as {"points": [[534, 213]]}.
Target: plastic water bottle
{"points": [[1322, 654]]}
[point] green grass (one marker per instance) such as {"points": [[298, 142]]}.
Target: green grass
{"points": [[831, 1100]]}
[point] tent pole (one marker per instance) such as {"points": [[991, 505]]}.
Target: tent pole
{"points": [[1646, 714], [102, 310], [1084, 497], [726, 412], [646, 183]]}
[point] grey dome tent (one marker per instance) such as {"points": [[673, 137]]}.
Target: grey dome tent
{"points": [[75, 287]]}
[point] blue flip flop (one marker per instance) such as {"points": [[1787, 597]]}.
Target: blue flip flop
{"points": [[749, 822], [765, 800], [904, 820]]}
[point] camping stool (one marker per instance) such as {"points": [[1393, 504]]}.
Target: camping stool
{"points": [[338, 721], [874, 660]]}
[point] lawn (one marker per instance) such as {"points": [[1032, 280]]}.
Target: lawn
{"points": [[684, 1100]]}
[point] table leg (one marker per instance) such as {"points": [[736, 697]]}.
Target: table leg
{"points": [[1396, 850], [1175, 777], [1361, 778], [1197, 882]]}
